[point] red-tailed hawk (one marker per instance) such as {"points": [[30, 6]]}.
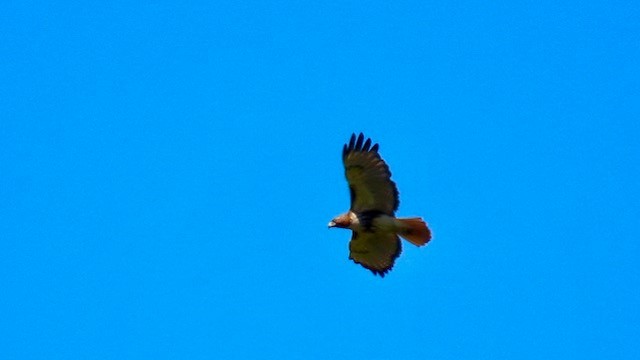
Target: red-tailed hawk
{"points": [[374, 199]]}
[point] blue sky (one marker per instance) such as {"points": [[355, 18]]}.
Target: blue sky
{"points": [[167, 173]]}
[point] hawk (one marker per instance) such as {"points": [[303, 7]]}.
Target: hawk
{"points": [[375, 242]]}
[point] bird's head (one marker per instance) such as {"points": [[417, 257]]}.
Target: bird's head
{"points": [[341, 221]]}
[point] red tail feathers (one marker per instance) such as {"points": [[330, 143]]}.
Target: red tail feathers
{"points": [[415, 231]]}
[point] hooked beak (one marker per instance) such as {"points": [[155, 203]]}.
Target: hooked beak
{"points": [[331, 224]]}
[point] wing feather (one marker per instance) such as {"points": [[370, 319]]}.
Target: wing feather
{"points": [[369, 178], [375, 251]]}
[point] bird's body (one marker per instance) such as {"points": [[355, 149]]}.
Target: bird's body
{"points": [[367, 222], [374, 199]]}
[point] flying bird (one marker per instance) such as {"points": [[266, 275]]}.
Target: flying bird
{"points": [[374, 200]]}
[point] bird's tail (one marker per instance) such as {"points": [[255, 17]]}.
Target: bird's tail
{"points": [[414, 230]]}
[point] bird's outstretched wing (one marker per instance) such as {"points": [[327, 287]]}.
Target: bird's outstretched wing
{"points": [[369, 177], [375, 251]]}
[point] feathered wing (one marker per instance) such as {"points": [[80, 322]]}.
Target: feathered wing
{"points": [[375, 251], [369, 178]]}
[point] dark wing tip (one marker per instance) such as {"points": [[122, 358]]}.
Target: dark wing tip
{"points": [[359, 143], [352, 141], [367, 145], [381, 273], [374, 271]]}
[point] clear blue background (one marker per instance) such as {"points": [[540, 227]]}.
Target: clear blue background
{"points": [[167, 173]]}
